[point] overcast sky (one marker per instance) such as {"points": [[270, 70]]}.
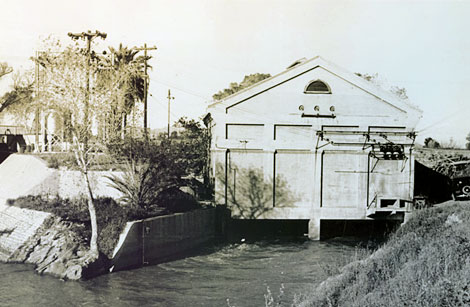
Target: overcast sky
{"points": [[422, 46]]}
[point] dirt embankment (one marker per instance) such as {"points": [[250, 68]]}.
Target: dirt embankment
{"points": [[425, 263]]}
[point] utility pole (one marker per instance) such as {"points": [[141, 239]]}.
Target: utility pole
{"points": [[169, 99], [88, 36], [146, 82], [36, 118]]}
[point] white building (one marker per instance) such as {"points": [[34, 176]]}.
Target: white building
{"points": [[314, 142]]}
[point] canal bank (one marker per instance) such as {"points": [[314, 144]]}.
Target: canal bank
{"points": [[50, 244], [425, 263]]}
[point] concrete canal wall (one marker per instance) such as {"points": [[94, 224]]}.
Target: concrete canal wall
{"points": [[22, 175], [156, 239]]}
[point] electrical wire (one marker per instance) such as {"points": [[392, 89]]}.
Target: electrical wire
{"points": [[440, 121], [189, 92], [164, 107]]}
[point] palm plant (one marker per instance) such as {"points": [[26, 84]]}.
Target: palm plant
{"points": [[149, 170], [125, 71], [135, 184]]}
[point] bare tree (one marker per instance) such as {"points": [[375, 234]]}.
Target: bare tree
{"points": [[5, 69], [21, 90], [64, 92]]}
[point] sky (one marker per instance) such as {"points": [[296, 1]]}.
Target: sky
{"points": [[203, 46]]}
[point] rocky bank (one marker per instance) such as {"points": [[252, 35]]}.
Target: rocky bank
{"points": [[56, 250]]}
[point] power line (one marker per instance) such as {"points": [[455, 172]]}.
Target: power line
{"points": [[440, 121], [169, 100], [181, 89], [162, 106]]}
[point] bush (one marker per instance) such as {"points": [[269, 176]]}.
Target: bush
{"points": [[153, 168], [175, 200], [57, 160]]}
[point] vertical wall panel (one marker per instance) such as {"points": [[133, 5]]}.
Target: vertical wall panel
{"points": [[248, 191], [344, 179], [294, 171], [389, 178]]}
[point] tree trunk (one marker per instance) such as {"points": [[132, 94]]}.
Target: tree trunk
{"points": [[123, 126], [94, 224], [46, 147], [82, 161]]}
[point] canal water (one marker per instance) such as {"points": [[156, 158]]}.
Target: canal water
{"points": [[239, 272]]}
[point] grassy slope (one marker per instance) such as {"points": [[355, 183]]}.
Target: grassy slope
{"points": [[425, 263]]}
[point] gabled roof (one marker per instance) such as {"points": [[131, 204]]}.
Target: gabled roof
{"points": [[301, 68]]}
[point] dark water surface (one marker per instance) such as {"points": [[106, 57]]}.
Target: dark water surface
{"points": [[238, 272]]}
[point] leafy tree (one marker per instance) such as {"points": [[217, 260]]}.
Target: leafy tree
{"points": [[234, 87], [467, 145], [431, 143], [19, 97], [193, 145]]}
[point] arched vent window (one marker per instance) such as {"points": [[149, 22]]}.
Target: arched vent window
{"points": [[317, 87]]}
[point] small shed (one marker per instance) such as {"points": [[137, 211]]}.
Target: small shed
{"points": [[314, 142]]}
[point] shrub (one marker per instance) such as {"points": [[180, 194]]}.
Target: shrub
{"points": [[175, 200], [153, 168], [57, 160]]}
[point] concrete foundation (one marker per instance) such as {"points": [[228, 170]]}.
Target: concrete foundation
{"points": [[314, 229]]}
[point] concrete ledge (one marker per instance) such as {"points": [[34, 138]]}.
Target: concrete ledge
{"points": [[154, 239]]}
